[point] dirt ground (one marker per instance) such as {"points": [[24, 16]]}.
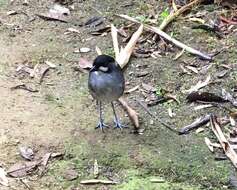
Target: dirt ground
{"points": [[61, 116]]}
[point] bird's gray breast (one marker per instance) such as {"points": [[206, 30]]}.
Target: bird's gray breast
{"points": [[106, 87]]}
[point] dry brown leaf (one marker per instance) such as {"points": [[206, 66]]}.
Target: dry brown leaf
{"points": [[133, 115]]}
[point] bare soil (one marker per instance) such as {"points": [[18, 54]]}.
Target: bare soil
{"points": [[61, 117]]}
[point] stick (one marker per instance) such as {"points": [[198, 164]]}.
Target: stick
{"points": [[156, 118], [175, 14], [229, 151], [169, 38], [125, 53], [114, 35]]}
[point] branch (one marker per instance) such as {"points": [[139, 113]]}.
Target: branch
{"points": [[169, 38], [114, 34], [175, 14]]}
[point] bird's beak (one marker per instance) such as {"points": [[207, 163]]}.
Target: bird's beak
{"points": [[92, 68]]}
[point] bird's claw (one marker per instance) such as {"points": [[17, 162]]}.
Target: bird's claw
{"points": [[119, 125], [101, 125]]}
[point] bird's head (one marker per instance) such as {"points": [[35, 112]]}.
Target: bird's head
{"points": [[103, 63]]}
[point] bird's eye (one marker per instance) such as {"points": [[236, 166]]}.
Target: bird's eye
{"points": [[103, 69]]}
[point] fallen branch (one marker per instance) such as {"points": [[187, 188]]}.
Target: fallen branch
{"points": [[125, 54], [196, 124], [156, 118], [229, 151], [114, 35], [175, 14], [169, 38]]}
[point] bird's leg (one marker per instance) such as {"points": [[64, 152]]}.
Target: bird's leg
{"points": [[101, 124], [117, 123]]}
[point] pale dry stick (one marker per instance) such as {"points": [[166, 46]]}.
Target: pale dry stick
{"points": [[114, 35], [169, 38], [175, 14], [126, 52], [229, 151]]}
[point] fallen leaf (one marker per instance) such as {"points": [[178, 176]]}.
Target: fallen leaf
{"points": [[45, 159], [73, 30], [94, 21], [204, 97], [97, 181], [208, 143], [178, 55], [170, 112], [84, 63], [84, 50], [193, 69], [50, 64], [22, 169], [26, 152], [101, 31], [227, 96], [148, 88], [199, 20], [199, 130], [131, 90], [199, 85], [133, 115], [57, 12], [157, 180], [57, 154], [196, 124], [229, 151], [11, 12], [70, 174], [203, 106], [24, 87], [96, 169], [3, 177]]}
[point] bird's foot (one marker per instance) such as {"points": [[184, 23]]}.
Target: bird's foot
{"points": [[119, 125], [101, 125]]}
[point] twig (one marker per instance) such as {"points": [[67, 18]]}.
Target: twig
{"points": [[169, 38], [196, 124], [175, 14], [114, 35], [24, 87], [229, 151], [125, 53], [157, 119], [97, 181]]}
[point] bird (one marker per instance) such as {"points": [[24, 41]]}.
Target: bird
{"points": [[106, 84]]}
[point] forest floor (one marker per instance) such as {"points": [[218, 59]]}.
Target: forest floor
{"points": [[60, 117]]}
